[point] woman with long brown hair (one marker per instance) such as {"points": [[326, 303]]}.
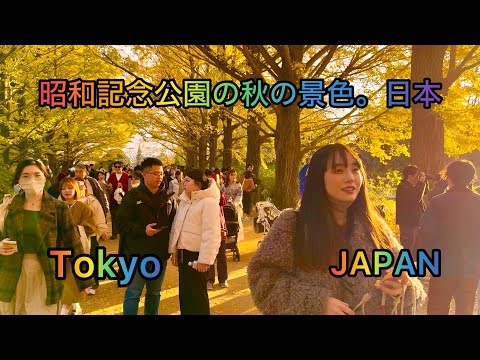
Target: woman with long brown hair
{"points": [[234, 193], [289, 274]]}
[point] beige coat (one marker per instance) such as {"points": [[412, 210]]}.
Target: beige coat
{"points": [[100, 222]]}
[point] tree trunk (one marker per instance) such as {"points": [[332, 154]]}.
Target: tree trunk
{"points": [[4, 130], [68, 153], [202, 147], [64, 166], [287, 138], [227, 140], [253, 143], [287, 151], [213, 143], [427, 143], [191, 158]]}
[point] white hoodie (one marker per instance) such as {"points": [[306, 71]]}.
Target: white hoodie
{"points": [[196, 226]]}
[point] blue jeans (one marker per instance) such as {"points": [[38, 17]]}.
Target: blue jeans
{"points": [[152, 295]]}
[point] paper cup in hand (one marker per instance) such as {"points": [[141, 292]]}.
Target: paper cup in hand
{"points": [[9, 244]]}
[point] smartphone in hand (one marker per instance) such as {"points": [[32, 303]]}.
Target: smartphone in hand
{"points": [[160, 227]]}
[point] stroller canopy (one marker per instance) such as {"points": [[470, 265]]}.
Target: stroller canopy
{"points": [[266, 213]]}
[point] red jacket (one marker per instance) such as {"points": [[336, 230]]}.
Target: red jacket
{"points": [[113, 180]]}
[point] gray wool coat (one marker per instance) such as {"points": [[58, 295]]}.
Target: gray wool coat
{"points": [[278, 287]]}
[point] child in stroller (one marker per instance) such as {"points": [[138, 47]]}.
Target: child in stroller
{"points": [[231, 220], [266, 215]]}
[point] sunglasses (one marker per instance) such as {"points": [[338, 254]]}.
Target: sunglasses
{"points": [[117, 167]]}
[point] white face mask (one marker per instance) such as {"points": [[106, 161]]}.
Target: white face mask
{"points": [[32, 187]]}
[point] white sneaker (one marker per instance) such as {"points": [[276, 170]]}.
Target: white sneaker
{"points": [[91, 291], [77, 310], [209, 286], [224, 284]]}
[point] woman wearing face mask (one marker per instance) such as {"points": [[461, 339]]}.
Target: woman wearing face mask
{"points": [[82, 216], [37, 222]]}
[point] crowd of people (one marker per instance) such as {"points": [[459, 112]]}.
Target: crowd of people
{"points": [[172, 212], [175, 214]]}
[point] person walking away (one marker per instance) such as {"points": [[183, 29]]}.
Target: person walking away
{"points": [[409, 205], [451, 223]]}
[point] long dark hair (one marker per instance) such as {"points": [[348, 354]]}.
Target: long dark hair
{"points": [[316, 244], [230, 172]]}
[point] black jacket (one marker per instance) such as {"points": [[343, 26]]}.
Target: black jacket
{"points": [[139, 208], [409, 203], [451, 223]]}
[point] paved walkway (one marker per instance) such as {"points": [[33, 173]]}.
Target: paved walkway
{"points": [[234, 300]]}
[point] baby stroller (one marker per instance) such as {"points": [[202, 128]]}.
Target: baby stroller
{"points": [[266, 215], [233, 227]]}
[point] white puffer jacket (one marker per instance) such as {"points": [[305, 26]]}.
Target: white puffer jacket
{"points": [[197, 221]]}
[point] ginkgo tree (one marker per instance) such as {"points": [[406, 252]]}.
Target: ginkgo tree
{"points": [[62, 136], [451, 127], [365, 64], [193, 133]]}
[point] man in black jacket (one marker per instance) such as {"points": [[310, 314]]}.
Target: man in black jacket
{"points": [[144, 219], [451, 223], [409, 205]]}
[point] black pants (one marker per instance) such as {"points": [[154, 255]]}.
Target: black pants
{"points": [[442, 289], [193, 292], [221, 266], [113, 213], [407, 237], [247, 202], [93, 248]]}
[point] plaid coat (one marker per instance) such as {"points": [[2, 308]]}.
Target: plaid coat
{"points": [[58, 231]]}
